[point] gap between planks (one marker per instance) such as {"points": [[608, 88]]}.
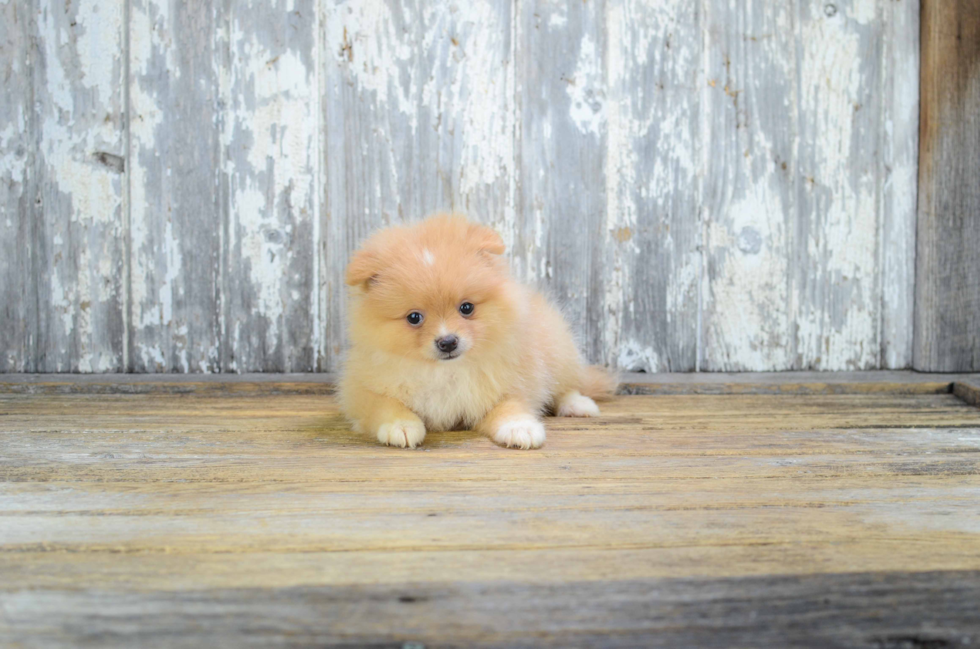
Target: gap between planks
{"points": [[964, 386]]}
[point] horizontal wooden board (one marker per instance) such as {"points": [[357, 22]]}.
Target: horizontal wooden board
{"points": [[931, 609], [968, 390], [880, 382]]}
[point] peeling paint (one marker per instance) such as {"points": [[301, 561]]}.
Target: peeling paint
{"points": [[269, 139], [837, 328], [632, 357], [78, 101], [585, 90], [728, 177], [898, 201], [651, 259], [17, 318], [174, 186]]}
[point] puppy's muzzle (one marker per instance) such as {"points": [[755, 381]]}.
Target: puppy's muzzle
{"points": [[447, 344]]}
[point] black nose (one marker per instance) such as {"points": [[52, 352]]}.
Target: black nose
{"points": [[447, 343]]}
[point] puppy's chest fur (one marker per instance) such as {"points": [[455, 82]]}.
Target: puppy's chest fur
{"points": [[448, 397]]}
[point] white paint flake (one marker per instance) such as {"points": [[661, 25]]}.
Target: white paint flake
{"points": [[586, 90]]}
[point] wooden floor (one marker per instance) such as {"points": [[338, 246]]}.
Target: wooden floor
{"points": [[246, 514]]}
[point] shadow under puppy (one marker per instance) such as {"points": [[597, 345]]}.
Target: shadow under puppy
{"points": [[443, 338]]}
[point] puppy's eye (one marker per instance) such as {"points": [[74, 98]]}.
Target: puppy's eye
{"points": [[467, 308], [415, 318]]}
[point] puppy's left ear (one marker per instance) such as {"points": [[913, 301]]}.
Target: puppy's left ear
{"points": [[486, 239], [363, 266]]}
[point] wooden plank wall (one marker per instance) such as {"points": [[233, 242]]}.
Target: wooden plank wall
{"points": [[947, 297], [714, 185]]}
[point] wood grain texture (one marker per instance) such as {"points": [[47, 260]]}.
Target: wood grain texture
{"points": [[177, 199], [947, 289], [721, 185], [837, 299], [749, 203], [79, 101], [650, 263], [899, 183], [806, 198], [269, 144], [18, 137], [259, 517], [837, 228], [968, 390], [932, 609], [562, 138]]}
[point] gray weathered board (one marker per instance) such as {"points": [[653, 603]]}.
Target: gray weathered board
{"points": [[715, 185], [947, 291]]}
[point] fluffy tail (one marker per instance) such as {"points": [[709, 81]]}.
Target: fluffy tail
{"points": [[599, 382]]}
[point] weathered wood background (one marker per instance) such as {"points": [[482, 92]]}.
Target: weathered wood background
{"points": [[714, 185]]}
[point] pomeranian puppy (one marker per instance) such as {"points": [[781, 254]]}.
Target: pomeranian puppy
{"points": [[442, 338]]}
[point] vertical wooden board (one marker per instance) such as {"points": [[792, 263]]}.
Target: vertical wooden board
{"points": [[79, 80], [176, 205], [466, 110], [899, 130], [418, 117], [651, 263], [18, 314], [269, 136], [370, 114], [748, 202], [947, 280], [562, 99], [836, 290]]}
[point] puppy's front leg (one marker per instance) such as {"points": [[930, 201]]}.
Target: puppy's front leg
{"points": [[511, 423], [386, 418]]}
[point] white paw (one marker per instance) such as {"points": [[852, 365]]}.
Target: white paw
{"points": [[574, 404], [402, 433], [525, 432]]}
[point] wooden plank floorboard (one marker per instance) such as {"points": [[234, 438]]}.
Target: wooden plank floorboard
{"points": [[919, 610], [809, 382], [968, 390], [254, 517]]}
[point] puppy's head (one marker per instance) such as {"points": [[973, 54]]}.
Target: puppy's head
{"points": [[435, 291]]}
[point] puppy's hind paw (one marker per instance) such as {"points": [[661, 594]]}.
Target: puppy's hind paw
{"points": [[402, 433], [574, 404], [525, 432]]}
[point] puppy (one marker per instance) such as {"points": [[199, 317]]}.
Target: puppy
{"points": [[443, 338]]}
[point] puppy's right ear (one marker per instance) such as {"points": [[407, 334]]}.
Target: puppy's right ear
{"points": [[363, 267], [486, 239]]}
